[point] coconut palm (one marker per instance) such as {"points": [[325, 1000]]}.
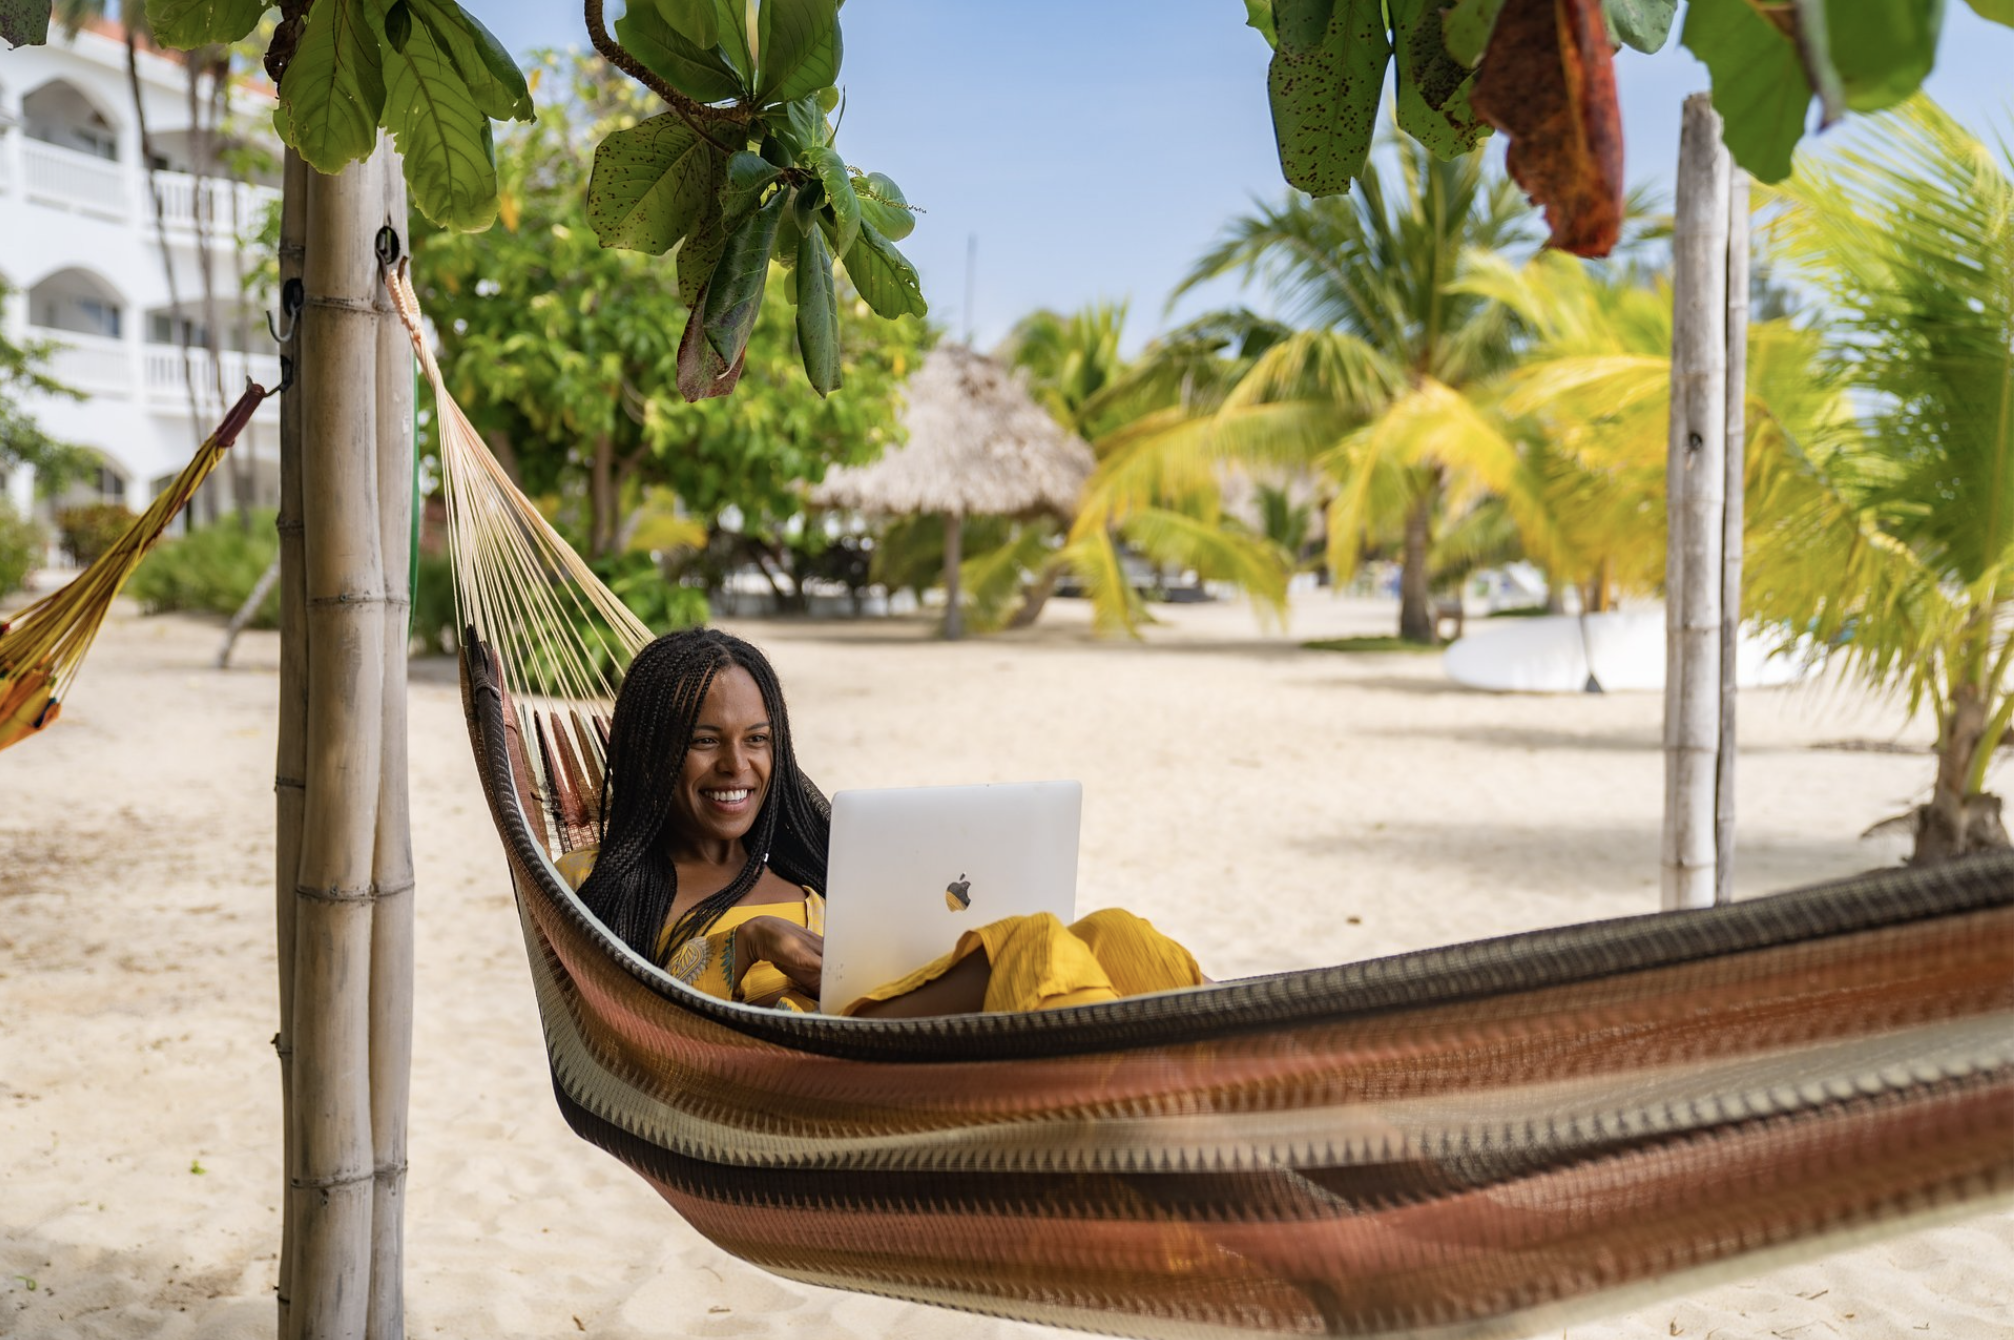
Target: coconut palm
{"points": [[1895, 543], [1374, 379]]}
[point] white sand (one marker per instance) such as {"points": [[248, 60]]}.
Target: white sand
{"points": [[1272, 807]]}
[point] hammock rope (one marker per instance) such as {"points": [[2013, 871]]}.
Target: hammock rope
{"points": [[1478, 1140], [43, 646]]}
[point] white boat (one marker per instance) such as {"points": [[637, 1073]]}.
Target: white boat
{"points": [[1620, 651]]}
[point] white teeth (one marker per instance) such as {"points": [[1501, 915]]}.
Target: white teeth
{"points": [[727, 797]]}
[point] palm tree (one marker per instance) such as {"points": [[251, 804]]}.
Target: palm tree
{"points": [[1386, 347], [1895, 539]]}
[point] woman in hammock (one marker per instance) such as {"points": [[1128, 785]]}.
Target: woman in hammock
{"points": [[712, 861]]}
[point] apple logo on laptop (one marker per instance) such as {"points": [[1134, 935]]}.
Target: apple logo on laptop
{"points": [[958, 893]]}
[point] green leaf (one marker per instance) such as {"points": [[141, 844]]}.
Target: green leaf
{"points": [[731, 22], [1433, 87], [1759, 87], [1325, 80], [650, 184], [788, 235], [698, 20], [883, 276], [1466, 28], [399, 25], [699, 253], [450, 161], [845, 205], [734, 295], [883, 205], [701, 73], [800, 127], [193, 23], [1259, 15], [333, 93], [25, 23], [1643, 24], [748, 175], [487, 70], [1994, 11], [1882, 51], [817, 313], [799, 49], [1814, 49]]}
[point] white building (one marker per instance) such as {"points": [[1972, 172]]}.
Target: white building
{"points": [[82, 261]]}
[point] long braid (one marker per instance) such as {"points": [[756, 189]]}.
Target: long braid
{"points": [[634, 883]]}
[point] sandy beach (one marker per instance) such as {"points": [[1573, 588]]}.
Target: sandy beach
{"points": [[1272, 807]]}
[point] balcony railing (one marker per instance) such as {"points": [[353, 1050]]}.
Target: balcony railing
{"points": [[73, 180], [94, 364], [167, 390], [183, 205]]}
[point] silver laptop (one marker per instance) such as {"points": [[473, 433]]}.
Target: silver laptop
{"points": [[912, 869]]}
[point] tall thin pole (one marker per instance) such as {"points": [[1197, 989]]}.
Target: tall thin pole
{"points": [[290, 763], [1695, 477], [971, 283], [954, 617], [392, 856], [345, 586], [1731, 527]]}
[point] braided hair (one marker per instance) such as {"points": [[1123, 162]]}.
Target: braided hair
{"points": [[634, 882]]}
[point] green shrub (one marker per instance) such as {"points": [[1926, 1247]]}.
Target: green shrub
{"points": [[21, 541], [212, 570], [88, 531]]}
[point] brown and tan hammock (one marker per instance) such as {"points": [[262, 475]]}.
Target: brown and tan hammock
{"points": [[43, 646], [1475, 1140]]}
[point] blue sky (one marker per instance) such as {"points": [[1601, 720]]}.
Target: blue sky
{"points": [[1095, 147]]}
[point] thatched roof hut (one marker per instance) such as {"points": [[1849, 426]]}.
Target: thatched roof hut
{"points": [[978, 445]]}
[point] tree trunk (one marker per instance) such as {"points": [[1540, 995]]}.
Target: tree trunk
{"points": [[392, 852], [1036, 596], [1416, 608], [954, 617], [247, 612], [345, 737], [1695, 475], [201, 147], [1959, 821], [1734, 489], [290, 766], [500, 447]]}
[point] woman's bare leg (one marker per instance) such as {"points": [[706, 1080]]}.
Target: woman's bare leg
{"points": [[962, 990]]}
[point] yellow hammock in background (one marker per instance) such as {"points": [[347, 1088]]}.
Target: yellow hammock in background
{"points": [[43, 646]]}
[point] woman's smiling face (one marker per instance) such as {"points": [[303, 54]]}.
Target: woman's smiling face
{"points": [[726, 775]]}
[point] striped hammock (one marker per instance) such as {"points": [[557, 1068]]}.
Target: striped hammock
{"points": [[43, 646], [1470, 1141]]}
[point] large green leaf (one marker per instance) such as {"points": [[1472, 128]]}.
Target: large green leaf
{"points": [[817, 312], [24, 23], [485, 66], [1433, 87], [748, 176], [1759, 87], [883, 276], [798, 126], [734, 295], [1882, 51], [800, 48], [1466, 27], [333, 94], [699, 20], [1994, 11], [443, 135], [883, 205], [1325, 80], [1643, 24], [1259, 16], [194, 23], [702, 73], [838, 183], [650, 184]]}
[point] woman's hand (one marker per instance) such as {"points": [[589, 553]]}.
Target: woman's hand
{"points": [[796, 952]]}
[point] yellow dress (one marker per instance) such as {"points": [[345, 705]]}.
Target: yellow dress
{"points": [[1038, 963]]}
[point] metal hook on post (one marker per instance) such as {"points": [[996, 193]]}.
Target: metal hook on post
{"points": [[388, 247], [292, 297]]}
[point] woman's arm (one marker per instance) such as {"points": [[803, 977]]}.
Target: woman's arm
{"points": [[797, 953]]}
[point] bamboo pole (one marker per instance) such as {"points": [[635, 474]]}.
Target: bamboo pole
{"points": [[290, 764], [334, 895], [392, 862], [1735, 490], [954, 617], [1694, 481]]}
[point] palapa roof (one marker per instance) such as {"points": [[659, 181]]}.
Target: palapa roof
{"points": [[978, 445]]}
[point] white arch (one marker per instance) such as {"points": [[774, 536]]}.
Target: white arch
{"points": [[108, 112]]}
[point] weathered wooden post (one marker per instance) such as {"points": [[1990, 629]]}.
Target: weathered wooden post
{"points": [[1695, 478], [1735, 491], [954, 555]]}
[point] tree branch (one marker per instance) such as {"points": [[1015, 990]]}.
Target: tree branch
{"points": [[691, 112]]}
